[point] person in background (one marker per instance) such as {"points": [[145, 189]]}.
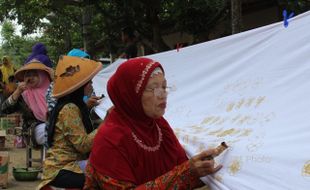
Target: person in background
{"points": [[10, 87], [89, 98], [135, 147], [29, 98], [129, 39], [2, 87], [70, 131], [39, 52], [78, 53], [7, 69]]}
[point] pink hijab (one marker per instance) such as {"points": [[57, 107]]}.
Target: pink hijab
{"points": [[35, 97]]}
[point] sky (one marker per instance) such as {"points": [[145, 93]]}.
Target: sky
{"points": [[18, 31]]}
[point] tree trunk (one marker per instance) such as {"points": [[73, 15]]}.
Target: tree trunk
{"points": [[236, 17], [86, 25], [158, 43], [68, 41]]}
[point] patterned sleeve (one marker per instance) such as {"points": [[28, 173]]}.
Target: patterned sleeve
{"points": [[9, 105], [51, 102], [73, 128], [178, 179]]}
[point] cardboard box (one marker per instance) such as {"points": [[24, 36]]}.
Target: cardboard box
{"points": [[9, 122], [2, 139], [4, 168], [6, 123]]}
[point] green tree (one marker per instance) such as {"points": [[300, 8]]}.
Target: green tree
{"points": [[96, 24], [18, 48], [297, 6]]}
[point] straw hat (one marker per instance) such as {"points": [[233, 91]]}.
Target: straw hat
{"points": [[34, 64], [72, 73]]}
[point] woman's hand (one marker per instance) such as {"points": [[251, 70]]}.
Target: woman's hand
{"points": [[93, 101], [21, 87], [203, 163]]}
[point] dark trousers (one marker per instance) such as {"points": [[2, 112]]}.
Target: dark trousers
{"points": [[68, 179]]}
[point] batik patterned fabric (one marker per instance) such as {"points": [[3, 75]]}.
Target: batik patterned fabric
{"points": [[10, 106], [51, 102], [178, 179], [71, 144]]}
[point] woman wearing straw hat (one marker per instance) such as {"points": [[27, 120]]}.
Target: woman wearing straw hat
{"points": [[29, 97], [70, 132], [91, 100]]}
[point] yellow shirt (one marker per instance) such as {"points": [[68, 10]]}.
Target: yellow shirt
{"points": [[71, 144], [7, 71]]}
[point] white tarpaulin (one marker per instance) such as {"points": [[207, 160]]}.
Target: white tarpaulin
{"points": [[250, 90]]}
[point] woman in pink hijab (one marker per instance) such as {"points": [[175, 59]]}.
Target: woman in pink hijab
{"points": [[29, 97]]}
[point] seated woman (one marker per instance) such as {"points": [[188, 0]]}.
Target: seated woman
{"points": [[70, 132], [29, 98], [91, 101], [39, 51], [135, 147]]}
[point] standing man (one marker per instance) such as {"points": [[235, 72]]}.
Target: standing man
{"points": [[129, 39]]}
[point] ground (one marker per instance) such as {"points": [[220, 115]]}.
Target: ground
{"points": [[18, 159]]}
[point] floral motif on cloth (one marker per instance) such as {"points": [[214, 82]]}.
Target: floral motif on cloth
{"points": [[71, 144], [180, 178]]}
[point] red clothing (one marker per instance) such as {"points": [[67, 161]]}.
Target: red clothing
{"points": [[115, 145], [130, 146], [177, 179]]}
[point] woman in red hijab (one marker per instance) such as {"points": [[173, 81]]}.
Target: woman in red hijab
{"points": [[135, 147]]}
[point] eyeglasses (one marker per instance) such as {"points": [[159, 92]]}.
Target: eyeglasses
{"points": [[160, 91], [31, 73]]}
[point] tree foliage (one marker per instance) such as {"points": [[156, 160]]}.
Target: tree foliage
{"points": [[17, 47], [96, 24], [297, 6], [150, 18]]}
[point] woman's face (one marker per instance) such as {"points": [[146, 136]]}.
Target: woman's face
{"points": [[154, 97], [31, 78], [88, 89]]}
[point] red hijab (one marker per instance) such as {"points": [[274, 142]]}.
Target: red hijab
{"points": [[115, 151]]}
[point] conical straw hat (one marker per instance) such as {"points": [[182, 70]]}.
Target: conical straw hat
{"points": [[33, 65], [72, 73]]}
